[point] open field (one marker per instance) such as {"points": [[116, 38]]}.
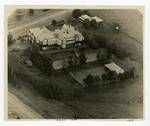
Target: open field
{"points": [[13, 22], [130, 20], [123, 100]]}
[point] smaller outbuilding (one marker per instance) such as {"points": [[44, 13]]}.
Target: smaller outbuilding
{"points": [[82, 18], [114, 67], [97, 19]]}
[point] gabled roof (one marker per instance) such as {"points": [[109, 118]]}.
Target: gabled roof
{"points": [[67, 32], [85, 16], [97, 19], [114, 67]]}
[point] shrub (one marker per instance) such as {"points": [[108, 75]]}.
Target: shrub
{"points": [[104, 77], [31, 12], [119, 52], [54, 22], [92, 44], [103, 54], [101, 40], [82, 58], [43, 63], [93, 23], [77, 13], [11, 40], [86, 12], [47, 89], [90, 80], [86, 24]]}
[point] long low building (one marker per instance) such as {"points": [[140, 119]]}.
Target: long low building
{"points": [[84, 17], [61, 37], [114, 67]]}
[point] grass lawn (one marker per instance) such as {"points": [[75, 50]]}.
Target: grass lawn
{"points": [[96, 70]]}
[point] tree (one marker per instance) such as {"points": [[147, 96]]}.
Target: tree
{"points": [[93, 23], [119, 52], [121, 76], [11, 40], [111, 75], [18, 17], [82, 58], [126, 74], [86, 24], [65, 63], [31, 12], [101, 40], [86, 12], [54, 22], [104, 77], [131, 73], [77, 13], [42, 62], [70, 61], [102, 54], [92, 44], [89, 80]]}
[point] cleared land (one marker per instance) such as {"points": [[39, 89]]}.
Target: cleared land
{"points": [[130, 20], [21, 110]]}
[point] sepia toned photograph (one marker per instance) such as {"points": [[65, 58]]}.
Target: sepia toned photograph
{"points": [[74, 62]]}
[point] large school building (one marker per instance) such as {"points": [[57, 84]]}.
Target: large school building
{"points": [[61, 37]]}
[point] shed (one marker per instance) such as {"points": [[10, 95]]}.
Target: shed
{"points": [[114, 67], [83, 17], [97, 19]]}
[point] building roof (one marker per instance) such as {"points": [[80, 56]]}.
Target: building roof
{"points": [[114, 67], [97, 19], [67, 32], [91, 57], [59, 64], [42, 34], [85, 16]]}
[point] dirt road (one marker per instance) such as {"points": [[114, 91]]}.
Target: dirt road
{"points": [[41, 21], [17, 108]]}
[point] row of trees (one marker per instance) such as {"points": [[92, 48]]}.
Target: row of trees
{"points": [[90, 80], [102, 55], [90, 24], [110, 76]]}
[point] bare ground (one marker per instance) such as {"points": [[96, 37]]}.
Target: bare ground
{"points": [[21, 110]]}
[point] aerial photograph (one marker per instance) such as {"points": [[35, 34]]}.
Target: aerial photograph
{"points": [[74, 63]]}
